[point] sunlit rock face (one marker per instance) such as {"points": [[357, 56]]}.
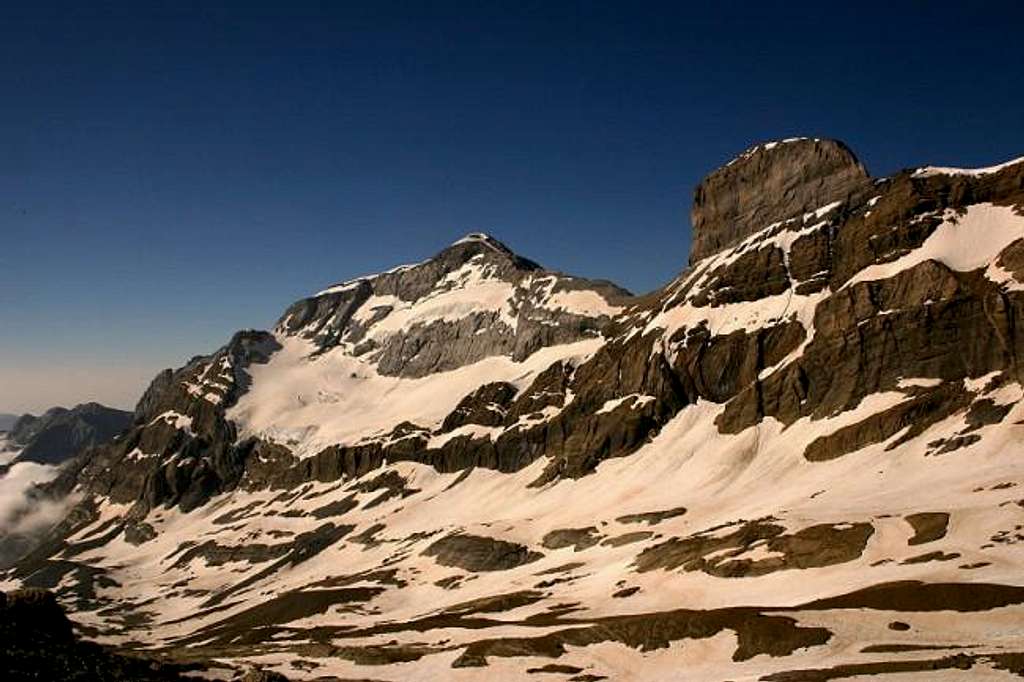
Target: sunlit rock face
{"points": [[768, 183], [800, 459]]}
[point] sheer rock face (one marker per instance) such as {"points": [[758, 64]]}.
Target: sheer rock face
{"points": [[768, 183]]}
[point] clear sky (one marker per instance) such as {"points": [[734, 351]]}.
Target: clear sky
{"points": [[170, 173]]}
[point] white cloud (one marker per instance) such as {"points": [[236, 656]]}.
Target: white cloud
{"points": [[22, 512]]}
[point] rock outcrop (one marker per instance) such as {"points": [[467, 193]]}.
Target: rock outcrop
{"points": [[770, 183]]}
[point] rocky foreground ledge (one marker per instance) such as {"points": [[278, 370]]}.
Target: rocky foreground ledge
{"points": [[39, 643]]}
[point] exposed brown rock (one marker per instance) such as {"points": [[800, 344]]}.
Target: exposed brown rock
{"points": [[955, 662], [985, 412], [556, 669], [916, 596], [259, 623], [756, 634], [915, 414], [627, 538], [811, 547], [496, 603], [926, 321], [564, 568], [653, 517], [765, 185], [754, 275], [930, 556], [475, 553], [336, 508], [256, 675], [577, 538], [487, 406], [928, 526]]}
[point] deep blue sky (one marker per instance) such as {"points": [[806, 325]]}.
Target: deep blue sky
{"points": [[169, 175]]}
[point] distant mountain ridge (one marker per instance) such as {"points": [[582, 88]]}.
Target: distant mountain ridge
{"points": [[32, 454], [60, 433], [794, 461]]}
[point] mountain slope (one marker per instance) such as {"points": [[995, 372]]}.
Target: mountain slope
{"points": [[798, 460]]}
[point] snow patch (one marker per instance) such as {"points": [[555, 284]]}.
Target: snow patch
{"points": [[929, 171], [311, 401], [176, 419], [961, 243], [918, 382], [636, 401], [584, 302]]}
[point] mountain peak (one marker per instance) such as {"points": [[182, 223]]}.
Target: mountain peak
{"points": [[472, 237], [60, 433], [475, 243], [484, 240], [770, 181], [454, 255], [770, 145], [480, 239], [472, 300]]}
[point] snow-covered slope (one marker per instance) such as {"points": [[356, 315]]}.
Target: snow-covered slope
{"points": [[365, 355], [800, 460], [308, 401]]}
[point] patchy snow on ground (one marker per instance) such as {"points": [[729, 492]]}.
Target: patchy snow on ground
{"points": [[721, 480]]}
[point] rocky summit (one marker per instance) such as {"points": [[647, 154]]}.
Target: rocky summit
{"points": [[799, 460]]}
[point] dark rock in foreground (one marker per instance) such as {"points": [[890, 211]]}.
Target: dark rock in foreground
{"points": [[39, 644]]}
